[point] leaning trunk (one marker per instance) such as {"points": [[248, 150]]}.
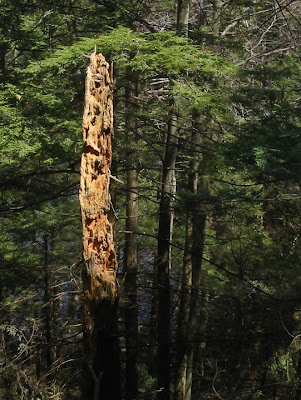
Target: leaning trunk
{"points": [[100, 263]]}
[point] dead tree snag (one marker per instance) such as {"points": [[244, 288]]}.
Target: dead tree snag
{"points": [[100, 263]]}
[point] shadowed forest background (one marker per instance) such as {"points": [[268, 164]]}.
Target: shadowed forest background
{"points": [[205, 199]]}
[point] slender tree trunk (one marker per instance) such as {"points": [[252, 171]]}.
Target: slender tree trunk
{"points": [[71, 21], [199, 218], [100, 262], [202, 14], [48, 308], [181, 341], [55, 320], [201, 345], [130, 251], [182, 344], [4, 47], [183, 17], [298, 372], [191, 278], [166, 216], [298, 358], [198, 239], [217, 5], [202, 21], [153, 331]]}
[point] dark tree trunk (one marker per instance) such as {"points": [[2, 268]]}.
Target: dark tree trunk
{"points": [[131, 249], [192, 273], [198, 362], [153, 331], [48, 308], [166, 215], [199, 218], [185, 297], [3, 51]]}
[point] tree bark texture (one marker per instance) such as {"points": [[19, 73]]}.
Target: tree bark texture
{"points": [[217, 7], [100, 262], [131, 246], [166, 215], [183, 17]]}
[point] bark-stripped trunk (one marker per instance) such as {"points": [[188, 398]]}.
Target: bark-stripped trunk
{"points": [[100, 263], [131, 248], [166, 216]]}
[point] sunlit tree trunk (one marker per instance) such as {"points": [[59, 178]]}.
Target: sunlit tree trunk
{"points": [[217, 9], [183, 17], [100, 264]]}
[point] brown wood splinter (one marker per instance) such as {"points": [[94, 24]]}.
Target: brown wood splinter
{"points": [[100, 262]]}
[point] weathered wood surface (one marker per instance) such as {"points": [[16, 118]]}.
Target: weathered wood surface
{"points": [[98, 243], [100, 262]]}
